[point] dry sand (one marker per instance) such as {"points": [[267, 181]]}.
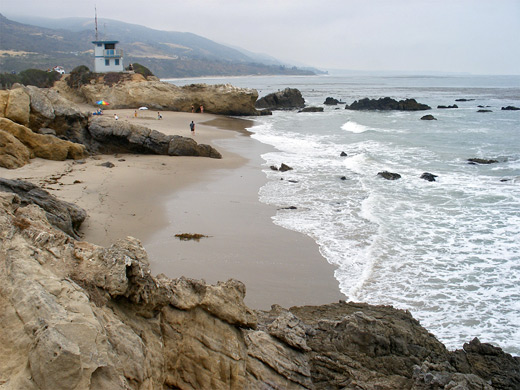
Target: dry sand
{"points": [[155, 197]]}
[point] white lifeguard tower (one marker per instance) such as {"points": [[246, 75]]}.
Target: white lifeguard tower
{"points": [[107, 58]]}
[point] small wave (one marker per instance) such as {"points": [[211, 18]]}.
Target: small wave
{"points": [[354, 127]]}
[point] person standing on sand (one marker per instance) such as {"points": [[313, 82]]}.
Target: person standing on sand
{"points": [[192, 109], [201, 109], [135, 113], [159, 116], [192, 127], [116, 117]]}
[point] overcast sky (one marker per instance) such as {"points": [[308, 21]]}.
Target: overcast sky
{"points": [[476, 36]]}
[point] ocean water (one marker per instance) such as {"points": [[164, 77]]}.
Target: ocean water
{"points": [[448, 251]]}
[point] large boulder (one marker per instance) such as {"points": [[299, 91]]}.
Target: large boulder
{"points": [[110, 136], [387, 103], [43, 146], [222, 99], [289, 98]]}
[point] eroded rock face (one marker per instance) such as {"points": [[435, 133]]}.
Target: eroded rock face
{"points": [[78, 316], [222, 99]]}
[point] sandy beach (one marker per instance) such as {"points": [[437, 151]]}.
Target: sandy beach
{"points": [[153, 198]]}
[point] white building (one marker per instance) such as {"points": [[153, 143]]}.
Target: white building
{"points": [[106, 57]]}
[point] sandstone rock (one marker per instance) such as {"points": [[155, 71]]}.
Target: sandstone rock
{"points": [[222, 99], [64, 215], [287, 99], [13, 154], [18, 106], [78, 316], [387, 103], [389, 175], [44, 146]]}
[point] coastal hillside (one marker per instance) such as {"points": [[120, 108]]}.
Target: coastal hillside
{"points": [[68, 43]]}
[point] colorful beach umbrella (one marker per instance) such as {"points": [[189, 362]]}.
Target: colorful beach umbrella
{"points": [[102, 103]]}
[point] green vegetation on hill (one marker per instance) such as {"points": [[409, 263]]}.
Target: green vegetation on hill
{"points": [[36, 77], [167, 54]]}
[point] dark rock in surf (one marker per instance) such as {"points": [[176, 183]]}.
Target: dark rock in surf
{"points": [[343, 154], [287, 99], [389, 175], [428, 117], [464, 100], [265, 112], [312, 109], [284, 168], [428, 176], [273, 168], [481, 161], [343, 178], [330, 101], [510, 108], [452, 106], [482, 110], [386, 104]]}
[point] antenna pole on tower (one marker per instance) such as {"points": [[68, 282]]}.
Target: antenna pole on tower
{"points": [[95, 11]]}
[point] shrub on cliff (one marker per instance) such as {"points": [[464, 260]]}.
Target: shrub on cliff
{"points": [[79, 76], [141, 69], [36, 77]]}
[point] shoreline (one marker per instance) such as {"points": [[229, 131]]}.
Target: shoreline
{"points": [[154, 197]]}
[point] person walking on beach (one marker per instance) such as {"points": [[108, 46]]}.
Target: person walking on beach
{"points": [[192, 127], [159, 116], [116, 117], [135, 113], [201, 109]]}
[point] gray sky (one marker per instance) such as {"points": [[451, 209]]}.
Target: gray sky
{"points": [[476, 36]]}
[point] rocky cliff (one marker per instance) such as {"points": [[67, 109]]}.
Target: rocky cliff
{"points": [[78, 316], [136, 91], [41, 122]]}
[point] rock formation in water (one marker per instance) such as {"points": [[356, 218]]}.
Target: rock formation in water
{"points": [[78, 316], [385, 104], [288, 99]]}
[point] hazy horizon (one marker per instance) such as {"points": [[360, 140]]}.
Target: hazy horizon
{"points": [[430, 36]]}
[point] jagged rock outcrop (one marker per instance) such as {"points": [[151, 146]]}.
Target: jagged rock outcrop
{"points": [[110, 136], [288, 99], [28, 144], [387, 103], [223, 99], [428, 176], [78, 316], [38, 108]]}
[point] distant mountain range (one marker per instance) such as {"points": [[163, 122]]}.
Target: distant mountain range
{"points": [[43, 43]]}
